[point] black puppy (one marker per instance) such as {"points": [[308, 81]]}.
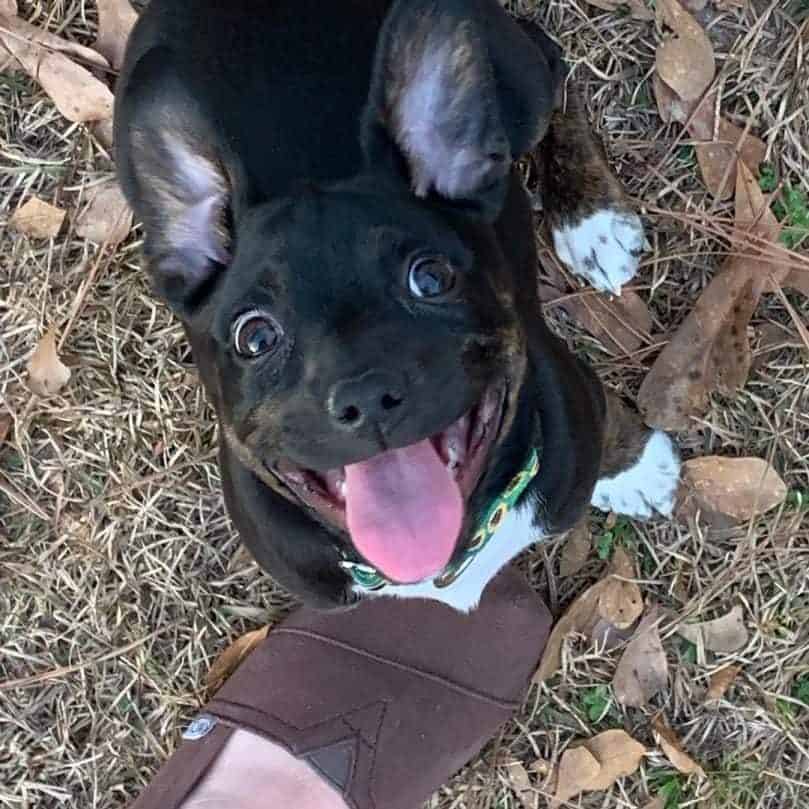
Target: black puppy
{"points": [[331, 208]]}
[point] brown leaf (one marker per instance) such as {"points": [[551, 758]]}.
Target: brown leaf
{"points": [[656, 803], [46, 373], [709, 352], [717, 156], [38, 219], [596, 764], [115, 21], [721, 680], [581, 616], [754, 216], [732, 488], [670, 106], [11, 26], [622, 323], [672, 748], [724, 634], [107, 218], [643, 670], [577, 768], [8, 8], [620, 602], [5, 427], [576, 549], [617, 754], [638, 9], [77, 94], [228, 661], [772, 338], [520, 782], [685, 62], [797, 280], [609, 599]]}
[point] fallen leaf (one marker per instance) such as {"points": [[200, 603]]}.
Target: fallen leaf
{"points": [[77, 93], [12, 26], [228, 661], [797, 280], [8, 7], [670, 106], [5, 427], [721, 680], [617, 754], [656, 803], [576, 550], [520, 782], [620, 602], [643, 670], [638, 9], [596, 764], [621, 323], [107, 218], [38, 219], [607, 636], [609, 600], [672, 748], [104, 133], [754, 216], [46, 373], [577, 768], [724, 634], [772, 338], [581, 616], [115, 21], [710, 351], [685, 61], [736, 489], [717, 157]]}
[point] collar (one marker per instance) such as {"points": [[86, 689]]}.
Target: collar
{"points": [[369, 578]]}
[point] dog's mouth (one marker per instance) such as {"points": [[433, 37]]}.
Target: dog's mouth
{"points": [[404, 508]]}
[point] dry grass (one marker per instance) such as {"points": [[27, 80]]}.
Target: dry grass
{"points": [[120, 576]]}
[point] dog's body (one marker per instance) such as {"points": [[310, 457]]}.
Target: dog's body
{"points": [[331, 208]]}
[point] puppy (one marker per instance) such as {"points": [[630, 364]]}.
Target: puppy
{"points": [[331, 208]]}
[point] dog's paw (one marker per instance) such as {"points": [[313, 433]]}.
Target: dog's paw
{"points": [[604, 247], [646, 488]]}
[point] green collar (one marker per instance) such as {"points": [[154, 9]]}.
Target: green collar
{"points": [[369, 578]]}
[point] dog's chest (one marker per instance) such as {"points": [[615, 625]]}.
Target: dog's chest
{"points": [[517, 532]]}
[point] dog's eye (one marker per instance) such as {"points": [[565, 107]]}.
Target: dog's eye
{"points": [[255, 334], [430, 277]]}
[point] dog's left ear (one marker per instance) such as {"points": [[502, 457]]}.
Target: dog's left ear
{"points": [[459, 91]]}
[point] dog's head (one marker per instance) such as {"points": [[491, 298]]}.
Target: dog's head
{"points": [[365, 340]]}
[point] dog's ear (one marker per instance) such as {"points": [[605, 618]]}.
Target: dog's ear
{"points": [[459, 91], [176, 181]]}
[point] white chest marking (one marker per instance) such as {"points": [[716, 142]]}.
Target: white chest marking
{"points": [[604, 248], [516, 533]]}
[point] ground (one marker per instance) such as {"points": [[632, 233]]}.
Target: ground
{"points": [[121, 577]]}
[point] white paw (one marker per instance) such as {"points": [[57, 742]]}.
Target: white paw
{"points": [[605, 248], [648, 487]]}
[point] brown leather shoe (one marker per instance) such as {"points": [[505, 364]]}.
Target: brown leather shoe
{"points": [[386, 701]]}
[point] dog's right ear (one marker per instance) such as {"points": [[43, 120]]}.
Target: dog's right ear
{"points": [[176, 182], [459, 91]]}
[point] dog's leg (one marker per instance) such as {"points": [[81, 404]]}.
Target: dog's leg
{"points": [[640, 467], [595, 231]]}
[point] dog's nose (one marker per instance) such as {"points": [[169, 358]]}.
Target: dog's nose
{"points": [[375, 396]]}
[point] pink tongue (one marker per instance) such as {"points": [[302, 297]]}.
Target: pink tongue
{"points": [[404, 512]]}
